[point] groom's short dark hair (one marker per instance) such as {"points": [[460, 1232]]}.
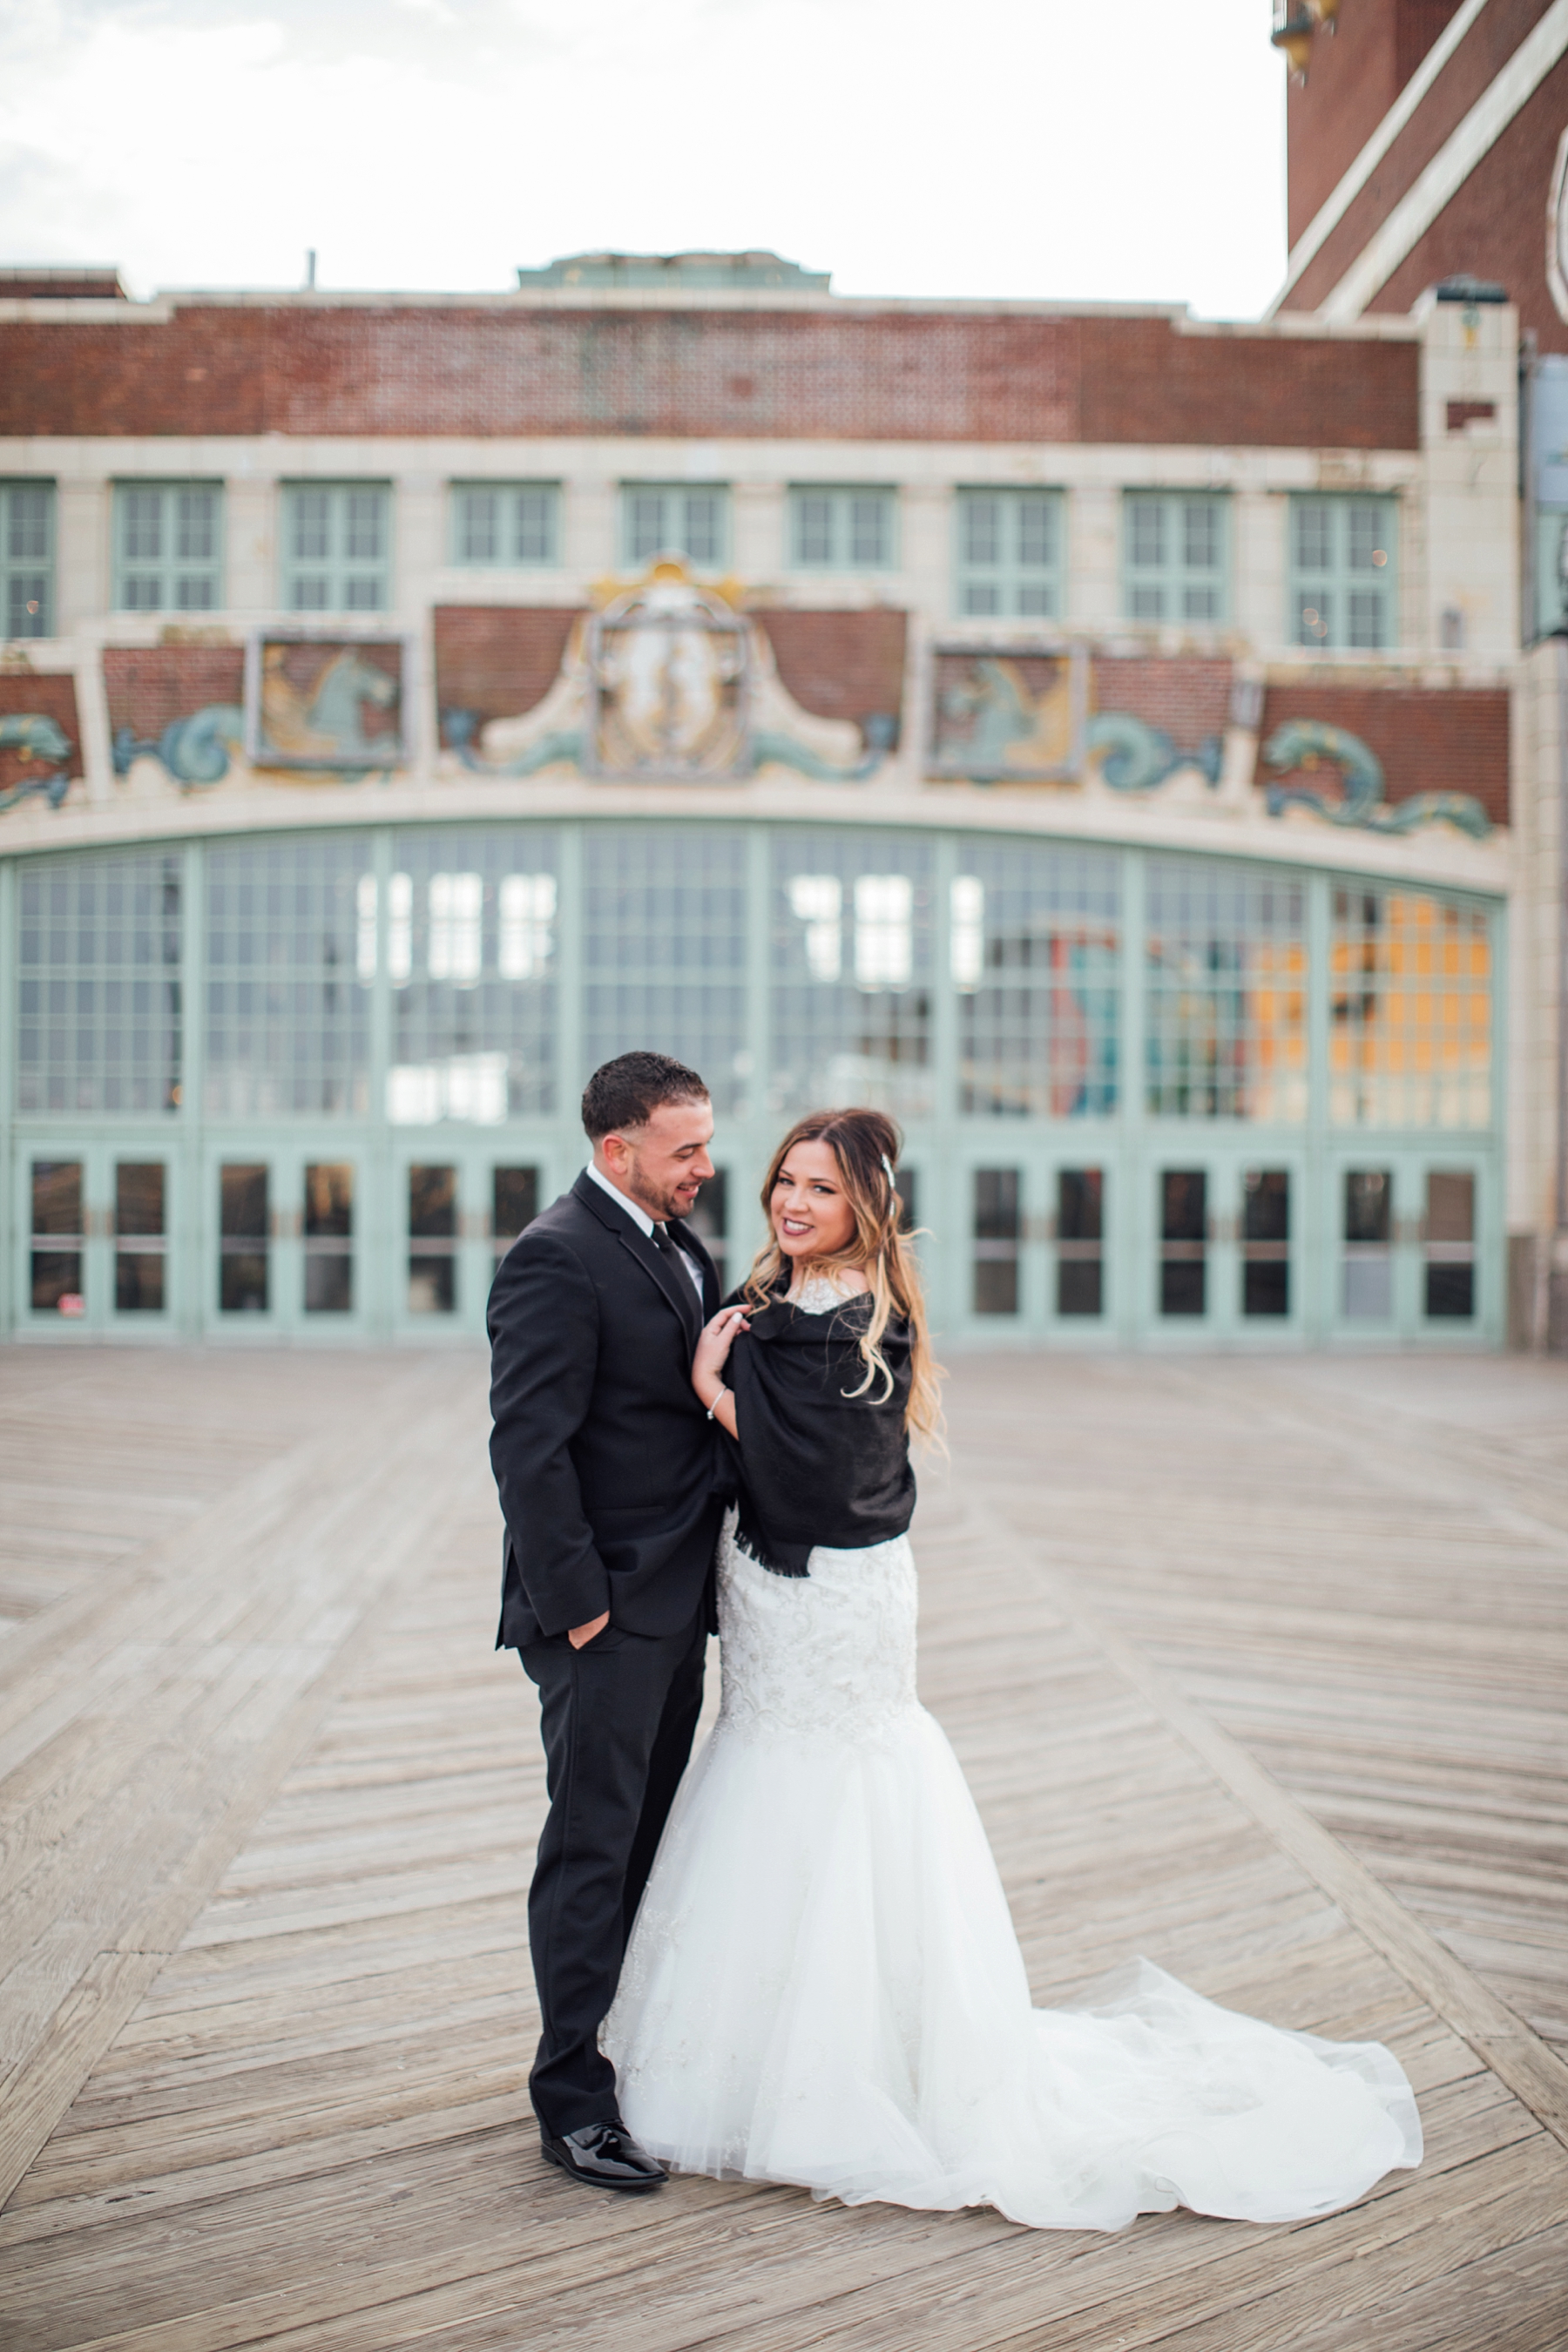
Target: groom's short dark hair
{"points": [[627, 1091]]}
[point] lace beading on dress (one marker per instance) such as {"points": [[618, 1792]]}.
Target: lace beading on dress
{"points": [[830, 1653], [818, 1294]]}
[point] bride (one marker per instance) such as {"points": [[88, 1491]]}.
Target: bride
{"points": [[823, 1985]]}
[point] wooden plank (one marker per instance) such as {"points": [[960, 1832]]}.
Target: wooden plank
{"points": [[311, 2131]]}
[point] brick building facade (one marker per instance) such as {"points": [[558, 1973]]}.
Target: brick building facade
{"points": [[1096, 734]]}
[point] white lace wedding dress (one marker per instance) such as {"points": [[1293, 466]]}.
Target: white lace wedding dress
{"points": [[823, 1986]]}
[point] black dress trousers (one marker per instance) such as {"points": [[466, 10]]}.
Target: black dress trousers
{"points": [[617, 1719]]}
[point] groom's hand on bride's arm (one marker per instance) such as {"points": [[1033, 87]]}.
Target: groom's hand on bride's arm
{"points": [[581, 1635]]}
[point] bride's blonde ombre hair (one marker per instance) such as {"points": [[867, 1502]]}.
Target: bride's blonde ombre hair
{"points": [[864, 1145]]}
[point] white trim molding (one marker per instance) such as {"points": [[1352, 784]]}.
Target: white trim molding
{"points": [[1450, 167], [1557, 230], [1333, 208]]}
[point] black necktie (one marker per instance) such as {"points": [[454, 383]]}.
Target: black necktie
{"points": [[661, 1240]]}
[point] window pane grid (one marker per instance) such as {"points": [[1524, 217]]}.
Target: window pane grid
{"points": [[1410, 1012], [1225, 1006], [1174, 556], [100, 1011], [668, 519], [28, 558], [288, 1014], [504, 525], [664, 949], [1035, 944], [471, 946], [168, 547], [337, 542], [841, 530], [854, 969], [1343, 573], [1009, 554]]}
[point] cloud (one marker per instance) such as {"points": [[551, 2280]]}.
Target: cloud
{"points": [[1031, 148]]}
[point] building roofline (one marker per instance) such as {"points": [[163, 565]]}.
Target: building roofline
{"points": [[161, 307]]}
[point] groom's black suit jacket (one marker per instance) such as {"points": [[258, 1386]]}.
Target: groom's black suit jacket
{"points": [[609, 1472]]}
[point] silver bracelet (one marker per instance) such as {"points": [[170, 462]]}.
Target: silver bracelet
{"points": [[714, 1406]]}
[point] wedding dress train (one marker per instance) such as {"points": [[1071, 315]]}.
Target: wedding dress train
{"points": [[823, 1986]]}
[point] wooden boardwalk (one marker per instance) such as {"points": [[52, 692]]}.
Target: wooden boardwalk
{"points": [[1259, 1667]]}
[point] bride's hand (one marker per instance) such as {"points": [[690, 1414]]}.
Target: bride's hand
{"points": [[713, 1352]]}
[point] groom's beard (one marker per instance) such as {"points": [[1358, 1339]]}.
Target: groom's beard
{"points": [[660, 1202]]}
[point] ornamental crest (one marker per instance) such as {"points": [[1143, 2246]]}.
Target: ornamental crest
{"points": [[669, 677]]}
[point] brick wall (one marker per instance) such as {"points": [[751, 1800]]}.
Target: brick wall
{"points": [[1189, 700], [840, 664], [1452, 740], [1483, 53], [149, 687], [53, 697], [1495, 225], [886, 375], [1354, 77], [497, 660]]}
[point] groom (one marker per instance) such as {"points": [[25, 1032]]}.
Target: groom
{"points": [[612, 1490]]}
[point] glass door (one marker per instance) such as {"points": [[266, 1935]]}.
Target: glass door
{"points": [[996, 1207], [1408, 1230], [1229, 1242], [56, 1288], [1268, 1212], [96, 1236], [430, 1284], [286, 1243], [457, 1206], [1366, 1235], [329, 1215], [1448, 1292], [140, 1214], [1185, 1233], [1078, 1235], [247, 1231], [1038, 1244]]}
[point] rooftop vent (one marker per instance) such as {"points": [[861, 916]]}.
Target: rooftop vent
{"points": [[736, 273], [1465, 289], [63, 282]]}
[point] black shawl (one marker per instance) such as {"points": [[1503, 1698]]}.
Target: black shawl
{"points": [[817, 1465]]}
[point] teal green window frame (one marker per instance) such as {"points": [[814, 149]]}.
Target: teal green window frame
{"points": [[686, 519], [1010, 554], [915, 1055], [27, 559], [505, 526], [838, 528], [168, 547], [1343, 568], [1175, 557], [336, 547]]}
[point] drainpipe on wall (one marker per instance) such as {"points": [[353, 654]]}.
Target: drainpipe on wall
{"points": [[1557, 1278]]}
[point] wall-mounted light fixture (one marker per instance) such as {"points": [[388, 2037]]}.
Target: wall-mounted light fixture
{"points": [[1294, 26]]}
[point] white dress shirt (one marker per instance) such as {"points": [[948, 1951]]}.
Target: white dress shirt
{"points": [[644, 1223]]}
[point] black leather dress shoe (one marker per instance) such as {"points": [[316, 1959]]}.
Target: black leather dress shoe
{"points": [[606, 2156]]}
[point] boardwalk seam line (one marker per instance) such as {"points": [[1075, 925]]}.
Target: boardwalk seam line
{"points": [[1500, 2038], [34, 2107]]}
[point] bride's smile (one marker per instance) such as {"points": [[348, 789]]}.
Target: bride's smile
{"points": [[811, 1215]]}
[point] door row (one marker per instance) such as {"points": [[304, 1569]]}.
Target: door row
{"points": [[1222, 1245], [90, 1257], [1227, 1244]]}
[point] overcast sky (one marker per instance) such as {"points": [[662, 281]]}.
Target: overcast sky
{"points": [[1110, 150]]}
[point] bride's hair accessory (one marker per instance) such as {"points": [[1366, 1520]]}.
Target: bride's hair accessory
{"points": [[888, 1170]]}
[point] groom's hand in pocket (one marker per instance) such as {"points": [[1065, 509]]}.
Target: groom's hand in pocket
{"points": [[581, 1635]]}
